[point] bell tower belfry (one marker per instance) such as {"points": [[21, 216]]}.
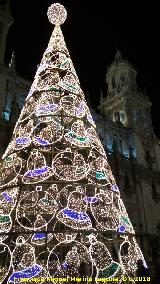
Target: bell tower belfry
{"points": [[130, 108], [121, 81], [132, 146], [121, 76], [6, 21], [124, 102]]}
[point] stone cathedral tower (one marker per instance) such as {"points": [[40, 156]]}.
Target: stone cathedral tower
{"points": [[125, 126]]}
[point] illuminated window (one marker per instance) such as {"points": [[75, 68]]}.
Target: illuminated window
{"points": [[5, 115]]}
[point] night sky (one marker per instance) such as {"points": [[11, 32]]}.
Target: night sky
{"points": [[93, 31]]}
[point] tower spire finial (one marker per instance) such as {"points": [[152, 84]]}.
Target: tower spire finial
{"points": [[57, 14], [101, 97], [12, 64], [118, 56]]}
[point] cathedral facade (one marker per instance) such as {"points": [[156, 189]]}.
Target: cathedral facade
{"points": [[125, 128], [13, 88]]}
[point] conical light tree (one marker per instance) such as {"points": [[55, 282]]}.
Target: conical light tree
{"points": [[62, 218]]}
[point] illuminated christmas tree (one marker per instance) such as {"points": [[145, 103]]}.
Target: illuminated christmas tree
{"points": [[61, 213]]}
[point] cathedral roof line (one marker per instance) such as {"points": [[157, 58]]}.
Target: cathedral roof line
{"points": [[120, 63]]}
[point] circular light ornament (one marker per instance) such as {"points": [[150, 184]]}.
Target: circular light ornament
{"points": [[57, 14], [5, 254]]}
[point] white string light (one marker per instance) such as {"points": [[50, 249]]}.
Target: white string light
{"points": [[58, 196]]}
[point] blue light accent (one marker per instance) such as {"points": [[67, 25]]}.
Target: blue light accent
{"points": [[90, 199], [30, 93], [64, 63], [48, 49], [114, 187], [23, 140], [45, 200], [100, 175], [71, 134], [90, 119], [80, 108], [121, 228], [26, 273], [125, 220], [79, 138], [6, 115], [76, 215], [46, 108], [54, 89], [64, 265], [39, 236], [7, 197], [109, 271], [8, 158], [41, 141], [36, 172], [5, 218], [80, 170], [68, 86], [41, 68]]}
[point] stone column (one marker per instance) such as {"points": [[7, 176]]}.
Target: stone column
{"points": [[6, 21], [3, 37]]}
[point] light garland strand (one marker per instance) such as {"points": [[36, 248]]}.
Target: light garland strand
{"points": [[61, 212]]}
